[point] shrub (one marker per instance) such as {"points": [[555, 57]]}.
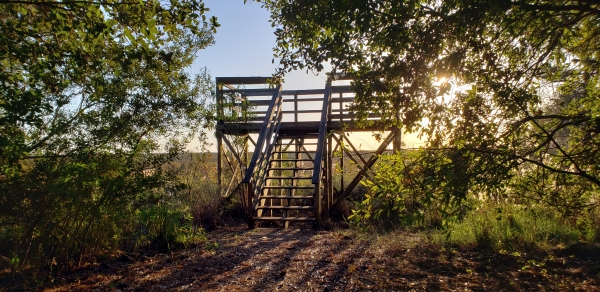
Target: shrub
{"points": [[511, 227]]}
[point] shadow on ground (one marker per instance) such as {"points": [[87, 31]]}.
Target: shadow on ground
{"points": [[308, 260]]}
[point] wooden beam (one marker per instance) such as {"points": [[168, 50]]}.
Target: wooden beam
{"points": [[352, 116], [355, 151], [337, 144], [228, 163], [397, 145], [361, 173], [251, 141], [219, 158], [308, 154], [243, 80], [317, 204], [356, 161], [231, 148], [263, 132], [249, 204], [233, 177], [329, 185], [322, 133], [238, 187]]}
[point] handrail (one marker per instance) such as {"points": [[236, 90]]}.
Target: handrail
{"points": [[259, 178], [264, 132], [256, 101], [317, 171]]}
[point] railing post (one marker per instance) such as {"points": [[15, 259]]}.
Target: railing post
{"points": [[250, 205], [219, 102], [317, 205], [321, 147], [264, 131], [329, 179]]}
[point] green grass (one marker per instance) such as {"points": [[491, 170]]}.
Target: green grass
{"points": [[513, 227]]}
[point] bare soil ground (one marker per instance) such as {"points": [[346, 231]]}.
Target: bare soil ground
{"points": [[237, 259]]}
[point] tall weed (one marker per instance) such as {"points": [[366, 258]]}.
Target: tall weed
{"points": [[508, 226]]}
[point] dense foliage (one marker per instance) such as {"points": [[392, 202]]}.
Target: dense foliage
{"points": [[506, 93], [90, 92]]}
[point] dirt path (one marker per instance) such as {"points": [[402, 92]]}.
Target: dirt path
{"points": [[306, 260]]}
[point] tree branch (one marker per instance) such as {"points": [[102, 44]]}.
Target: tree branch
{"points": [[557, 8], [64, 2]]}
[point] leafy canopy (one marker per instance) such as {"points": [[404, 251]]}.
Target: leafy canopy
{"points": [[510, 86], [90, 92]]}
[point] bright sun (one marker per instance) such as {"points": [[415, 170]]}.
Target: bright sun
{"points": [[440, 81]]}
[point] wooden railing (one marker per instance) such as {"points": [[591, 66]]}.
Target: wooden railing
{"points": [[297, 105], [322, 138], [267, 138]]}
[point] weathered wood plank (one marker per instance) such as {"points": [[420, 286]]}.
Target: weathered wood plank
{"points": [[289, 187], [287, 197], [291, 168], [261, 136], [284, 218], [286, 208], [242, 80], [230, 146], [288, 177], [366, 167], [322, 134]]}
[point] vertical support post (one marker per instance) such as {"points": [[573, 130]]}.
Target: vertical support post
{"points": [[220, 114], [249, 195], [329, 177], [317, 205], [341, 144], [343, 170], [297, 156], [279, 172], [397, 144], [295, 107], [246, 153], [219, 160], [317, 178]]}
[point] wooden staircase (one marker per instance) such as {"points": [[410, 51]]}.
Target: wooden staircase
{"points": [[288, 194], [284, 178], [290, 175]]}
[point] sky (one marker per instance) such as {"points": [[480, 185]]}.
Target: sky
{"points": [[244, 47]]}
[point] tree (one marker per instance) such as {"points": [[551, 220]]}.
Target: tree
{"points": [[90, 92], [522, 88]]}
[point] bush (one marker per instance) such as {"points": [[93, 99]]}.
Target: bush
{"points": [[414, 188], [510, 227], [201, 193], [58, 211], [167, 225], [206, 203]]}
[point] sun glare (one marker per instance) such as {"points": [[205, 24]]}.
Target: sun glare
{"points": [[440, 81]]}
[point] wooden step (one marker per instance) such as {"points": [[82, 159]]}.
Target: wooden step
{"points": [[286, 207], [290, 187], [293, 150], [284, 218], [290, 160], [289, 177], [291, 168], [286, 197]]}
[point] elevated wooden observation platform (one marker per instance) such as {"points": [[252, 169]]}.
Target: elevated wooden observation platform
{"points": [[277, 148]]}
